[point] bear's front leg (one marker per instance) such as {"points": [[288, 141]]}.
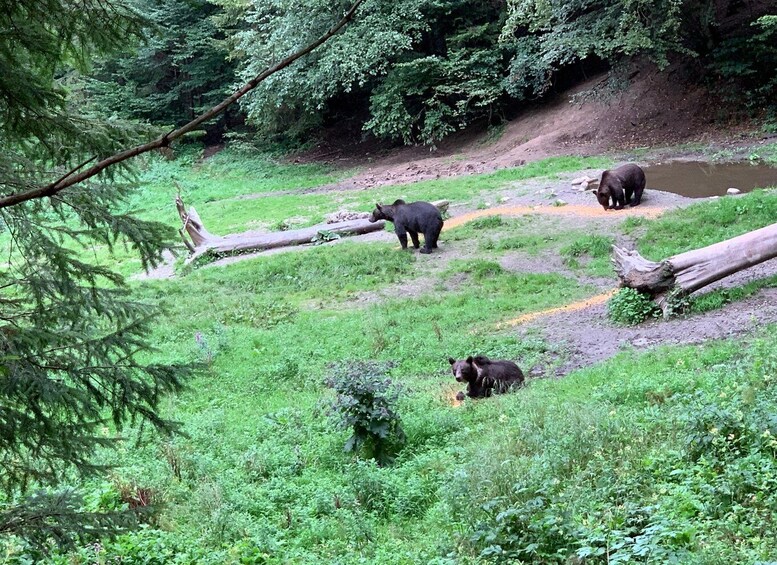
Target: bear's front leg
{"points": [[399, 229], [461, 396]]}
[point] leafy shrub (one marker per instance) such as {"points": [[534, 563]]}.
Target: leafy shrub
{"points": [[630, 307], [365, 404]]}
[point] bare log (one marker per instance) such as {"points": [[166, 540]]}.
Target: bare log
{"points": [[690, 271], [203, 242]]}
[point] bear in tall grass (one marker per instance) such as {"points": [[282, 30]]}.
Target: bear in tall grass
{"points": [[413, 218], [485, 377], [619, 185]]}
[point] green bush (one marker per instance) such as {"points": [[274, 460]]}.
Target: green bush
{"points": [[630, 307], [365, 404]]}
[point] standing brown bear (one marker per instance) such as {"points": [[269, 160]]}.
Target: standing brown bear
{"points": [[413, 218], [484, 376], [626, 178]]}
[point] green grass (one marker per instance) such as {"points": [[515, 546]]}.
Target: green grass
{"points": [[706, 223], [715, 299], [590, 252], [768, 153], [658, 457], [225, 175]]}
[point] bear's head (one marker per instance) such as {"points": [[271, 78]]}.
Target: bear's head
{"points": [[379, 213], [464, 371], [603, 196], [385, 211]]}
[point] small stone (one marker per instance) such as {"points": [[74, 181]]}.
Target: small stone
{"points": [[580, 180], [714, 197], [504, 199], [559, 202], [733, 191]]}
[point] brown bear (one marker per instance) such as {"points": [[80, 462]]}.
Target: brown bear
{"points": [[484, 376], [626, 178], [413, 218]]}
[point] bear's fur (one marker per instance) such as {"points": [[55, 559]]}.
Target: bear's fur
{"points": [[413, 218], [485, 377], [619, 185]]}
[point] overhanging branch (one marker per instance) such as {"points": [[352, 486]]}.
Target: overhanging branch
{"points": [[72, 178]]}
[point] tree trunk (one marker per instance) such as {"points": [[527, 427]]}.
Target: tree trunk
{"points": [[688, 272], [203, 242]]}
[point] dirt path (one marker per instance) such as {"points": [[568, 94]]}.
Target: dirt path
{"points": [[585, 336]]}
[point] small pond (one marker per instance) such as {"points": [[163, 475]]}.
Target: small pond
{"points": [[699, 179]]}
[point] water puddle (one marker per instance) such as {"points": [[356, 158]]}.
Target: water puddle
{"points": [[699, 179]]}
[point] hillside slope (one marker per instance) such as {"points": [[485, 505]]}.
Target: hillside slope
{"points": [[658, 108]]}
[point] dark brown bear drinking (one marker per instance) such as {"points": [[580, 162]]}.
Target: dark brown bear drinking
{"points": [[413, 218], [619, 185]]}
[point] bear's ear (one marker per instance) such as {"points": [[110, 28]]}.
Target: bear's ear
{"points": [[378, 206], [451, 360], [469, 359]]}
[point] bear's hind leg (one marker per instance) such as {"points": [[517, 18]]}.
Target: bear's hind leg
{"points": [[431, 236], [637, 196]]}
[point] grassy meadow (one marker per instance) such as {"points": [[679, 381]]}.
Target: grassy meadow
{"points": [[660, 456]]}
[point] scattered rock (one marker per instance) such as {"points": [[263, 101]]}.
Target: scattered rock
{"points": [[503, 199], [345, 215], [733, 191], [559, 202]]}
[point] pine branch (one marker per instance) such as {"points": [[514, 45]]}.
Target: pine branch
{"points": [[163, 141]]}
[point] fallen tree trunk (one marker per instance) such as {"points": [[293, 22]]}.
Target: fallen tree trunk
{"points": [[688, 272], [203, 242]]}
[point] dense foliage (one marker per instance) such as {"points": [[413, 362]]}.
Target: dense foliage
{"points": [[417, 70], [71, 336], [414, 71], [630, 307], [176, 71], [746, 64]]}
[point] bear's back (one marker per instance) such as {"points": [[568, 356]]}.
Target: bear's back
{"points": [[629, 175], [418, 215]]}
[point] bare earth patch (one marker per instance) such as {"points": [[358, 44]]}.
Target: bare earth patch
{"points": [[587, 336]]}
